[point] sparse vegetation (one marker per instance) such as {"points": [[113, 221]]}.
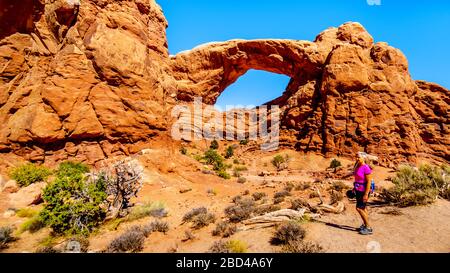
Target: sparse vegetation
{"points": [[259, 195], [224, 229], [244, 142], [32, 225], [27, 213], [263, 209], [288, 233], [29, 173], [153, 209], [303, 186], [335, 164], [72, 204], [214, 145], [302, 247], [130, 241], [238, 170], [211, 192], [6, 236], [299, 203], [392, 211], [229, 152], [199, 217], [219, 247], [156, 226], [289, 187], [278, 200], [183, 150], [188, 236], [237, 246], [242, 210], [339, 186], [313, 195], [223, 174], [418, 186], [283, 194], [233, 246], [280, 162]]}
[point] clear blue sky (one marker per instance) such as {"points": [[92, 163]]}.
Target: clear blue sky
{"points": [[421, 29]]}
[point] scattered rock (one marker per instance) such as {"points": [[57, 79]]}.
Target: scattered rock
{"points": [[27, 196], [11, 187], [185, 190]]}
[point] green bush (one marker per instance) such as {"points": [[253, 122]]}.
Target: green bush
{"points": [[280, 162], [29, 173], [417, 186], [153, 209], [214, 145], [224, 174], [72, 203], [229, 152], [335, 164], [244, 142], [32, 225]]}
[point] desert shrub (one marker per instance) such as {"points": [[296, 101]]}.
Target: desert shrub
{"points": [[156, 226], [261, 210], [27, 213], [299, 203], [242, 210], [199, 217], [303, 186], [214, 145], [130, 241], [219, 247], [339, 186], [236, 161], [280, 162], [246, 192], [233, 246], [335, 164], [183, 150], [223, 174], [278, 200], [229, 152], [420, 186], [242, 180], [236, 199], [289, 186], [259, 195], [32, 225], [6, 236], [244, 142], [29, 173], [153, 209], [73, 204], [283, 193], [236, 246], [287, 233], [302, 247], [336, 196], [224, 229]]}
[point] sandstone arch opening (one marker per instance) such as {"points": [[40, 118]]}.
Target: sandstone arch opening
{"points": [[255, 88]]}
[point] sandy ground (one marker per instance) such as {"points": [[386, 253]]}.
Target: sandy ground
{"points": [[418, 229]]}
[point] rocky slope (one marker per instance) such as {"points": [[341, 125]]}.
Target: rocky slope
{"points": [[92, 79]]}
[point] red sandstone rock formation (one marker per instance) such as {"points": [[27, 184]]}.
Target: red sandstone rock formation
{"points": [[92, 80]]}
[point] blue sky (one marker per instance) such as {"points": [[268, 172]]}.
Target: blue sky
{"points": [[421, 29]]}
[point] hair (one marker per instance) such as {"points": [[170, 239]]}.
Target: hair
{"points": [[367, 158]]}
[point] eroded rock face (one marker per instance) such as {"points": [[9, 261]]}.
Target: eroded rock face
{"points": [[86, 80]]}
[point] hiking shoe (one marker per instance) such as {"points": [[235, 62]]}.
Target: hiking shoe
{"points": [[366, 231], [361, 227]]}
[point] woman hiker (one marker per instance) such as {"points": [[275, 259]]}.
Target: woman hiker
{"points": [[362, 189]]}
